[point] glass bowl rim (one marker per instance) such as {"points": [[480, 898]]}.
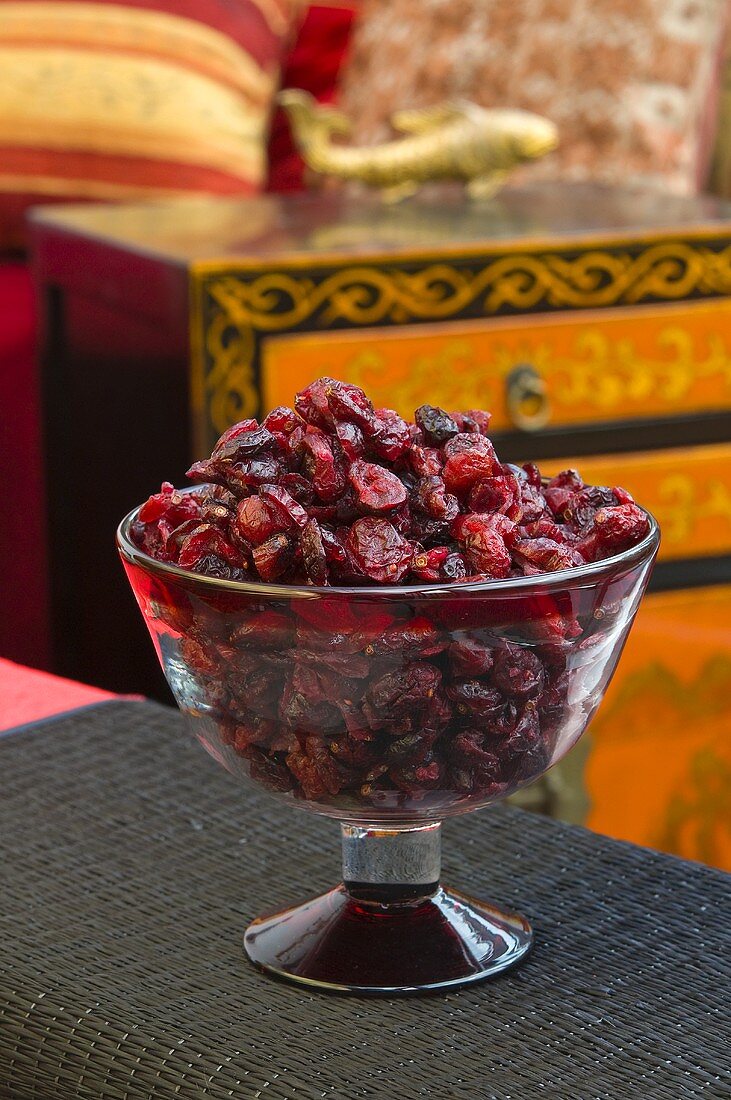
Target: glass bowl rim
{"points": [[559, 579]]}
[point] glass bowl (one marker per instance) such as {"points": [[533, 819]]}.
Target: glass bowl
{"points": [[389, 709]]}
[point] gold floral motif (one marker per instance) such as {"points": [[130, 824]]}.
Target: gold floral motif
{"points": [[683, 503], [238, 308], [697, 819]]}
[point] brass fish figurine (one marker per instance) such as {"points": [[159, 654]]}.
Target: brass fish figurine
{"points": [[458, 140]]}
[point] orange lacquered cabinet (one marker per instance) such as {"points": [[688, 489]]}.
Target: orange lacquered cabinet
{"points": [[594, 323]]}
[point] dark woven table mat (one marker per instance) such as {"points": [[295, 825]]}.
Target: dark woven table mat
{"points": [[130, 864]]}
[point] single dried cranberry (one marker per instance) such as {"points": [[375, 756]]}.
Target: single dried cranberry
{"points": [[583, 506], [470, 458], [431, 497], [533, 474], [234, 445], [548, 529], [425, 461], [288, 512], [417, 637], [379, 550], [484, 539], [532, 505], [313, 405], [350, 438], [616, 529], [242, 428], [429, 532], [255, 521], [376, 489], [314, 557], [470, 657], [282, 420], [454, 568], [264, 630], [548, 556], [298, 487], [501, 493], [389, 436], [253, 472], [436, 425], [175, 507], [349, 402], [315, 769], [560, 490], [326, 474], [409, 687], [475, 698], [203, 541], [427, 564], [419, 777], [268, 771], [474, 768], [517, 671], [274, 557]]}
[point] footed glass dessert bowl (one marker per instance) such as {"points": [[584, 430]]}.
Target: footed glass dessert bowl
{"points": [[389, 709]]}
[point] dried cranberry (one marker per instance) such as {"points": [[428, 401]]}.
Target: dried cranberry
{"points": [[620, 527], [425, 461], [350, 438], [255, 521], [282, 420], [379, 550], [284, 507], [470, 657], [546, 555], [583, 506], [431, 497], [314, 557], [470, 458], [454, 568], [376, 489], [348, 402], [475, 698], [436, 425], [273, 557], [501, 493], [517, 671], [560, 490], [427, 564], [389, 437], [315, 769], [321, 466]]}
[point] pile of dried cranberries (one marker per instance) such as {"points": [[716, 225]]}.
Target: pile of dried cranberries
{"points": [[395, 700], [335, 492]]}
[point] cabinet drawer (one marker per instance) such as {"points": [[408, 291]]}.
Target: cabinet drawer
{"points": [[658, 764], [648, 362], [687, 489]]}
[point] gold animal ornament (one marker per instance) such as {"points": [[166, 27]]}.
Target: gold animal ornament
{"points": [[451, 141]]}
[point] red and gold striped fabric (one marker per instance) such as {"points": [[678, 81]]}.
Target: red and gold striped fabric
{"points": [[141, 99]]}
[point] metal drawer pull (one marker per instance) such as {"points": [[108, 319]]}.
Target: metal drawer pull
{"points": [[527, 398]]}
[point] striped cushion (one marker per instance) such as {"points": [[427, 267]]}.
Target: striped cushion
{"points": [[142, 99]]}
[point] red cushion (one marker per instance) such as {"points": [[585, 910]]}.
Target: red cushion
{"points": [[313, 64], [135, 99], [23, 588]]}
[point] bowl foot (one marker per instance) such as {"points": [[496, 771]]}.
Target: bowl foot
{"points": [[338, 943]]}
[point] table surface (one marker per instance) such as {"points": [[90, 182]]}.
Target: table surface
{"points": [[130, 864], [267, 227]]}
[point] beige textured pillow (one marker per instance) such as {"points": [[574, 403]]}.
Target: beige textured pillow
{"points": [[631, 84]]}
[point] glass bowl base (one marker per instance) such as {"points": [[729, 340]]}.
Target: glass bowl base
{"points": [[341, 943]]}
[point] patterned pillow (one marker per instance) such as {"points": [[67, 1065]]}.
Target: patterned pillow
{"points": [[137, 99], [631, 84]]}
